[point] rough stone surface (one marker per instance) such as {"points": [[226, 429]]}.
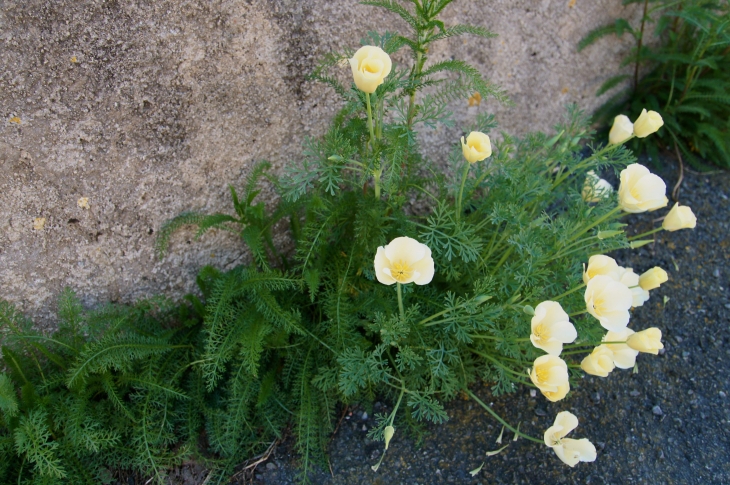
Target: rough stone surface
{"points": [[151, 108]]}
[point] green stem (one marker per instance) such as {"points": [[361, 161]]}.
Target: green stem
{"points": [[600, 220], [461, 190], [647, 233], [584, 163], [370, 120], [400, 303], [497, 362], [590, 344], [499, 418], [569, 292], [577, 313]]}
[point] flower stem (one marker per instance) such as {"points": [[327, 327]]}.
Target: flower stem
{"points": [[577, 313], [499, 418], [605, 217], [569, 292], [647, 233], [400, 303], [377, 173], [591, 344], [461, 190]]}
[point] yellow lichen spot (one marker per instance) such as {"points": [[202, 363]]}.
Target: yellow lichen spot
{"points": [[15, 120], [39, 223], [83, 203], [475, 99], [74, 59], [571, 3], [564, 90]]}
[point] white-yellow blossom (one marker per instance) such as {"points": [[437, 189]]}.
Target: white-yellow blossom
{"points": [[550, 374], [599, 362], [640, 190], [653, 278], [647, 123], [648, 341], [679, 218], [600, 264], [595, 188], [551, 328], [624, 357], [609, 302], [570, 451], [621, 130], [477, 147], [370, 65], [404, 260]]}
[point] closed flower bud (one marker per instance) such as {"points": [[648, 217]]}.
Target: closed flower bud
{"points": [[653, 278], [641, 190], [570, 451], [388, 435], [477, 147], [624, 357], [370, 65], [621, 130], [595, 188], [647, 123], [551, 328], [679, 218], [599, 362], [648, 341], [404, 260], [608, 301], [550, 374], [600, 264]]}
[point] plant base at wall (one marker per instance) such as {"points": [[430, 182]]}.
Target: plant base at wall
{"points": [[410, 280]]}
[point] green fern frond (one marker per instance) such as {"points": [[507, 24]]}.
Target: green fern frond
{"points": [[461, 29]]}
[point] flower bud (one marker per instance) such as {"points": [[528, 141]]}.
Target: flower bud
{"points": [[621, 130], [477, 147], [679, 218], [648, 341], [653, 278], [388, 434], [599, 362], [647, 123], [595, 188], [370, 65], [641, 190]]}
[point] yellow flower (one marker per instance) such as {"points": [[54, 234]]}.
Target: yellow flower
{"points": [[679, 218], [600, 264], [647, 123], [550, 374], [641, 190], [653, 278], [599, 362], [595, 188], [404, 260], [569, 450], [370, 65], [477, 147], [609, 302], [621, 130], [624, 357], [649, 341], [551, 328]]}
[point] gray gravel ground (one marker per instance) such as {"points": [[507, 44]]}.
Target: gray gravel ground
{"points": [[667, 424]]}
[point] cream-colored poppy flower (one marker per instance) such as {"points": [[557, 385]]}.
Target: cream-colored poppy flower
{"points": [[599, 362], [653, 278], [641, 190], [370, 65], [570, 451], [649, 341], [647, 123], [624, 357], [595, 188], [600, 264], [550, 374], [404, 260], [477, 147], [621, 130], [551, 328], [679, 218], [608, 301], [640, 296]]}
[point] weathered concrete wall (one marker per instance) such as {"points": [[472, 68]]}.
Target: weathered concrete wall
{"points": [[148, 108]]}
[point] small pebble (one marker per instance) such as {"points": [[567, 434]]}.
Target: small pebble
{"points": [[716, 273], [634, 393], [685, 354], [679, 339], [657, 411], [540, 412], [270, 466], [596, 397], [364, 416], [727, 305], [364, 428], [533, 392], [722, 394]]}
